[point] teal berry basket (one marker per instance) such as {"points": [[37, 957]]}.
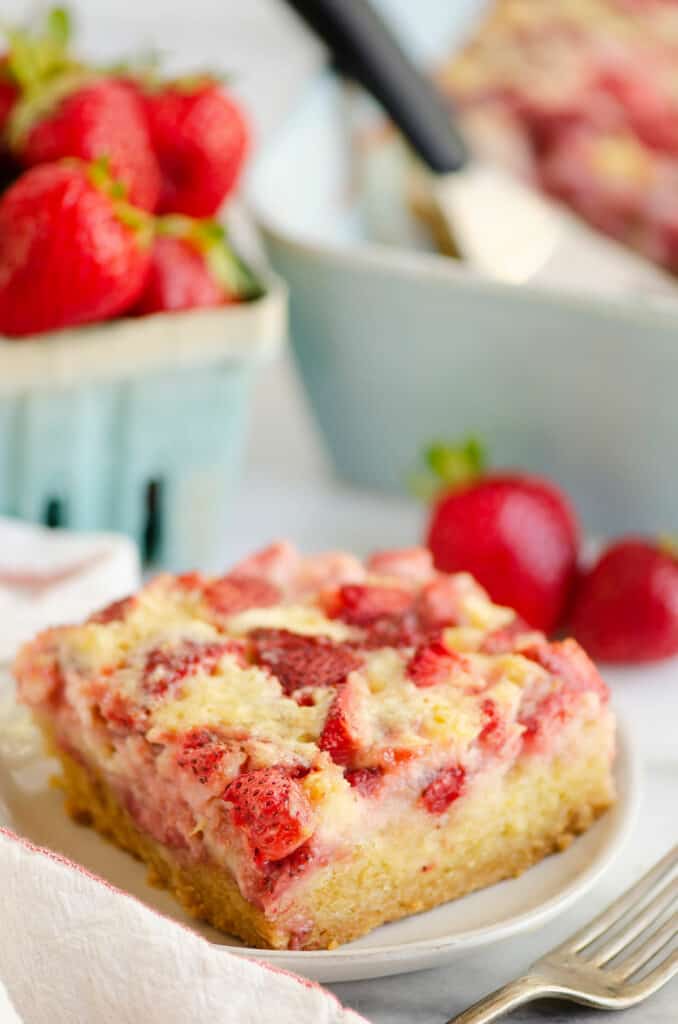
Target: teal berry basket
{"points": [[137, 425]]}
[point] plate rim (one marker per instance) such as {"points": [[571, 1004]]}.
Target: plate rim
{"points": [[628, 776]]}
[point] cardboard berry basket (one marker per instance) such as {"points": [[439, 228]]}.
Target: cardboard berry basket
{"points": [[137, 424]]}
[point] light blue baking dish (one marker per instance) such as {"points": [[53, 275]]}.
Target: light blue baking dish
{"points": [[399, 347], [137, 425]]}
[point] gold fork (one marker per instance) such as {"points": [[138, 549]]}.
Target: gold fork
{"points": [[609, 962]]}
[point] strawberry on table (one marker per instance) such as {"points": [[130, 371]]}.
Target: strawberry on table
{"points": [[193, 266], [516, 534], [626, 607], [71, 251], [200, 137]]}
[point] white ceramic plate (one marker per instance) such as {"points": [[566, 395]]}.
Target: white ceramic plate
{"points": [[31, 807]]}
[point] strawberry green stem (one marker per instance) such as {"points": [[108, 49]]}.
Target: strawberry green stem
{"points": [[211, 239]]}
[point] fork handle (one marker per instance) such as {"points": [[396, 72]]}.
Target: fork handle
{"points": [[506, 998]]}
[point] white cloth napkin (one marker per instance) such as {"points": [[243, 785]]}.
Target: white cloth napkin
{"points": [[74, 949], [49, 577]]}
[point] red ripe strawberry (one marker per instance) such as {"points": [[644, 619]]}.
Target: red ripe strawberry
{"points": [[200, 138], [433, 663], [447, 787], [298, 661], [70, 251], [89, 118], [363, 605], [232, 594], [272, 810], [626, 607], [192, 267], [516, 534], [342, 736]]}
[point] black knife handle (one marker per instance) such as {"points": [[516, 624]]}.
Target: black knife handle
{"points": [[364, 47]]}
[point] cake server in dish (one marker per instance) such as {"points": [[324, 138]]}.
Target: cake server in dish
{"points": [[500, 227]]}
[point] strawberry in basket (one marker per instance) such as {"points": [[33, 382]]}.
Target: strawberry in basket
{"points": [[193, 266], [72, 249], [65, 109]]}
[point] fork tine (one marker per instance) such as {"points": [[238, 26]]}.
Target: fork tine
{"points": [[621, 906], [625, 936], [655, 979], [631, 964]]}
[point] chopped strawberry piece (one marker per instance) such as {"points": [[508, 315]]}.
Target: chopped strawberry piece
{"points": [[567, 660], [272, 810], [298, 661], [329, 569], [166, 667], [493, 733], [278, 564], [502, 641], [342, 734], [396, 631], [414, 565], [201, 752], [433, 663], [367, 781], [233, 594], [120, 713], [552, 713], [391, 757], [190, 581], [439, 603], [115, 612], [447, 787], [364, 605]]}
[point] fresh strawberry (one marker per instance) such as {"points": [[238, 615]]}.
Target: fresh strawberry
{"points": [[272, 811], [343, 733], [71, 252], [364, 604], [433, 663], [89, 118], [626, 607], [200, 138], [445, 788], [232, 594], [298, 661], [192, 266], [516, 534]]}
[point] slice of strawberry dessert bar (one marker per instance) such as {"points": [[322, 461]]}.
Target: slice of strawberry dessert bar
{"points": [[306, 748]]}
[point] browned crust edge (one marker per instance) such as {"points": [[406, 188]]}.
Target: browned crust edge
{"points": [[350, 897]]}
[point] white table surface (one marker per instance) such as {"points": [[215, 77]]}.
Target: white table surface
{"points": [[289, 484]]}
